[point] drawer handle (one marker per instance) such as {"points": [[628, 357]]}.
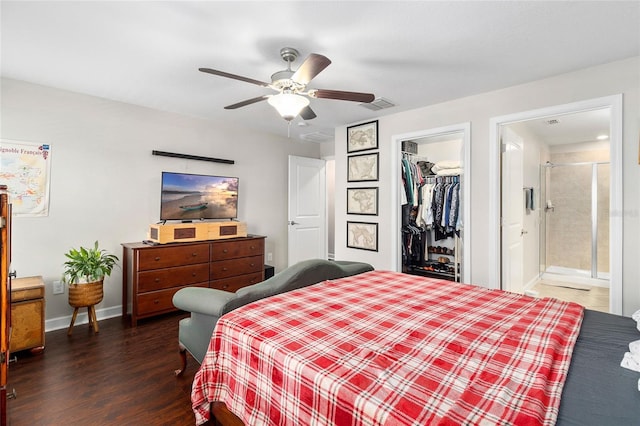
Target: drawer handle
{"points": [[193, 274], [225, 251], [157, 258], [194, 254], [155, 302], [157, 280], [253, 247], [224, 269], [225, 286], [253, 264]]}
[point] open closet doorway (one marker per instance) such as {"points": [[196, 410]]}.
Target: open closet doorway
{"points": [[571, 183], [431, 170]]}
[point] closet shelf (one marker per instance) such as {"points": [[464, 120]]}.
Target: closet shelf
{"points": [[435, 274], [447, 251]]}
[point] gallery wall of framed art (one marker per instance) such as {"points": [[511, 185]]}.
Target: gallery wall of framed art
{"points": [[362, 168]]}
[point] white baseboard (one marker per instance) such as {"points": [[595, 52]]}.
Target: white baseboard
{"points": [[82, 318], [531, 283]]}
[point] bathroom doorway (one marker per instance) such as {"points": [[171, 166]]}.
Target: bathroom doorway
{"points": [[571, 184], [564, 180]]}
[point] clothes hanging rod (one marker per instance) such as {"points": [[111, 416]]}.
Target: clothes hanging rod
{"points": [[192, 157], [415, 156]]}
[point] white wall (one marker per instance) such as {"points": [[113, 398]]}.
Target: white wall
{"points": [[105, 184], [604, 80], [450, 150]]}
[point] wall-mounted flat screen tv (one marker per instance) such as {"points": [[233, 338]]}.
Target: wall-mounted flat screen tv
{"points": [[188, 196]]}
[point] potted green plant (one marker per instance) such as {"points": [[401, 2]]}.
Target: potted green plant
{"points": [[84, 272]]}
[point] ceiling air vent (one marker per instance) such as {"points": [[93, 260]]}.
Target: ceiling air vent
{"points": [[317, 137], [378, 104], [552, 121]]}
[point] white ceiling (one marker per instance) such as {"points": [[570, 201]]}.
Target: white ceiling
{"points": [[412, 53], [579, 127]]}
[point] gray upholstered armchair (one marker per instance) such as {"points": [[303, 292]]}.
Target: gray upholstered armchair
{"points": [[207, 305]]}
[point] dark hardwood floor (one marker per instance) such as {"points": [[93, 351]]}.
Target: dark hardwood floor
{"points": [[120, 376]]}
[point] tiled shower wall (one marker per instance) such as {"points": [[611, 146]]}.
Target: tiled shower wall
{"points": [[569, 225]]}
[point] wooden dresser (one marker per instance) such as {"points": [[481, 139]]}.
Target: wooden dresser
{"points": [[27, 313], [152, 274]]}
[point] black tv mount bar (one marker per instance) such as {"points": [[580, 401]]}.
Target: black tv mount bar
{"points": [[192, 157]]}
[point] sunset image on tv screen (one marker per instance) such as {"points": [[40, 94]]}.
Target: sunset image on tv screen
{"points": [[189, 196]]}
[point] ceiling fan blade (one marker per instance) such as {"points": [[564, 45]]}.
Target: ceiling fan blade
{"points": [[342, 96], [307, 113], [311, 67], [247, 102], [233, 76]]}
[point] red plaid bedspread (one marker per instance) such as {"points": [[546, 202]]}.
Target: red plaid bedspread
{"points": [[384, 348]]}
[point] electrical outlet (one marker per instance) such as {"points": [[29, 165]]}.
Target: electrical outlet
{"points": [[58, 287], [269, 257]]}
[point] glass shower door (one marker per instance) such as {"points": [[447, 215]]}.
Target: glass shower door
{"points": [[602, 246], [568, 214], [574, 231]]}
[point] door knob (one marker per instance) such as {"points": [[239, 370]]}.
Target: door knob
{"points": [[291, 222]]}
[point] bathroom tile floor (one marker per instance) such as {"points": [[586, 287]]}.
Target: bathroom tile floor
{"points": [[591, 297]]}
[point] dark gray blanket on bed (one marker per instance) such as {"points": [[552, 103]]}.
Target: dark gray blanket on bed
{"points": [[597, 390]]}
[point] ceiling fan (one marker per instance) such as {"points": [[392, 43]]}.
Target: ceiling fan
{"points": [[292, 97]]}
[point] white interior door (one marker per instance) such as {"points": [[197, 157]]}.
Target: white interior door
{"points": [[307, 209], [512, 212]]}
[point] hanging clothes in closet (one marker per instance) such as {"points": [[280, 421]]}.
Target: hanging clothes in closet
{"points": [[430, 202], [413, 228], [442, 215]]}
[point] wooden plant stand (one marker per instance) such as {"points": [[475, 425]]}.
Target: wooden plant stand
{"points": [[85, 295]]}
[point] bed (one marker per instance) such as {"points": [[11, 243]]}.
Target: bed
{"points": [[384, 348]]}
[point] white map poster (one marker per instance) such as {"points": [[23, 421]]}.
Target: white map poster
{"points": [[25, 169]]}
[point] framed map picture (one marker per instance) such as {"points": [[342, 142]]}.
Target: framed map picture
{"points": [[362, 235], [26, 170], [362, 201], [362, 137], [362, 168]]}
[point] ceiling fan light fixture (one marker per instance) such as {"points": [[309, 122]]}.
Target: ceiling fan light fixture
{"points": [[288, 105]]}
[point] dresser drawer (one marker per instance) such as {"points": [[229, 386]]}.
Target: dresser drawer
{"points": [[159, 279], [156, 302], [230, 268], [27, 294], [234, 249], [27, 288], [164, 257], [235, 283]]}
